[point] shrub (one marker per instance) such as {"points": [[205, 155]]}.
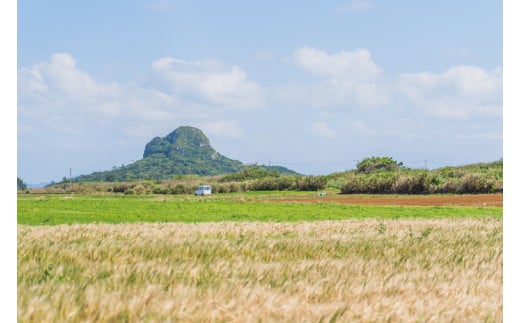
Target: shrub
{"points": [[372, 164], [250, 172], [377, 183], [353, 185], [182, 189], [122, 187], [311, 183], [381, 183], [220, 189], [264, 184], [476, 183], [234, 187], [412, 184], [139, 189], [159, 190], [449, 186]]}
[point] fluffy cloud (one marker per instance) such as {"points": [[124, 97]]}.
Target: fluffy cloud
{"points": [[457, 93], [352, 66], [351, 79], [210, 82], [55, 96], [344, 79], [60, 78]]}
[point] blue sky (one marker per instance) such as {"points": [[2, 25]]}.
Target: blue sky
{"points": [[311, 85]]}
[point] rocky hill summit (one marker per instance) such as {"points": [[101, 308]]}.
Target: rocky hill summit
{"points": [[184, 141], [186, 150], [189, 152]]}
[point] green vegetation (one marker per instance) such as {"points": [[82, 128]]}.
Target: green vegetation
{"points": [[372, 164], [58, 209], [21, 186], [184, 159], [186, 150], [468, 179]]}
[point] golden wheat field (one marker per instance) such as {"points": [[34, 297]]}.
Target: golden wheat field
{"points": [[349, 271]]}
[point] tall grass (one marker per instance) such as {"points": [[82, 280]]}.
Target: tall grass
{"points": [[352, 270]]}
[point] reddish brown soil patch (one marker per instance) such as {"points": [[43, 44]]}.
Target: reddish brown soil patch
{"points": [[480, 200]]}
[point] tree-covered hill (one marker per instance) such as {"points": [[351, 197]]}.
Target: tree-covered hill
{"points": [[186, 150]]}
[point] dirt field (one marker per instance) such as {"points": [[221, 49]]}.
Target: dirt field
{"points": [[478, 200]]}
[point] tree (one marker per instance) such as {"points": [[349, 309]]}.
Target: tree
{"points": [[20, 184], [372, 164]]}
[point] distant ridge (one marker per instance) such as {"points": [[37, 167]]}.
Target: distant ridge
{"points": [[186, 150]]}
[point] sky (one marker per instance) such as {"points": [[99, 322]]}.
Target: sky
{"points": [[315, 86]]}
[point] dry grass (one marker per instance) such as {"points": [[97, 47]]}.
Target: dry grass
{"points": [[352, 270]]}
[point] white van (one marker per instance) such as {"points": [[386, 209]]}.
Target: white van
{"points": [[203, 190]]}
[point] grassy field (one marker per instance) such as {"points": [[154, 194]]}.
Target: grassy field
{"points": [[68, 209], [238, 258], [405, 270]]}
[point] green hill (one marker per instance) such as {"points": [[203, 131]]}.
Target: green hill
{"points": [[186, 150]]}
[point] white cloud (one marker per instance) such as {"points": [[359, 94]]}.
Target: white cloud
{"points": [[457, 93], [345, 65], [322, 129], [167, 62], [57, 97], [209, 82], [346, 79]]}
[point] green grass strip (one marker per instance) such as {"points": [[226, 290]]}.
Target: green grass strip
{"points": [[69, 209]]}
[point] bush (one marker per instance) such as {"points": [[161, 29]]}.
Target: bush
{"points": [[353, 185], [139, 189], [159, 190], [476, 183], [250, 172], [183, 189], [372, 164], [234, 187], [449, 186], [130, 191], [179, 189], [377, 183], [122, 187], [311, 183], [264, 184], [412, 184]]}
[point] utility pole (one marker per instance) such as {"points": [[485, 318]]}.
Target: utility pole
{"points": [[139, 165], [70, 179]]}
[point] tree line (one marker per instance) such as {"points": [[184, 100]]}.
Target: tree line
{"points": [[373, 175]]}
